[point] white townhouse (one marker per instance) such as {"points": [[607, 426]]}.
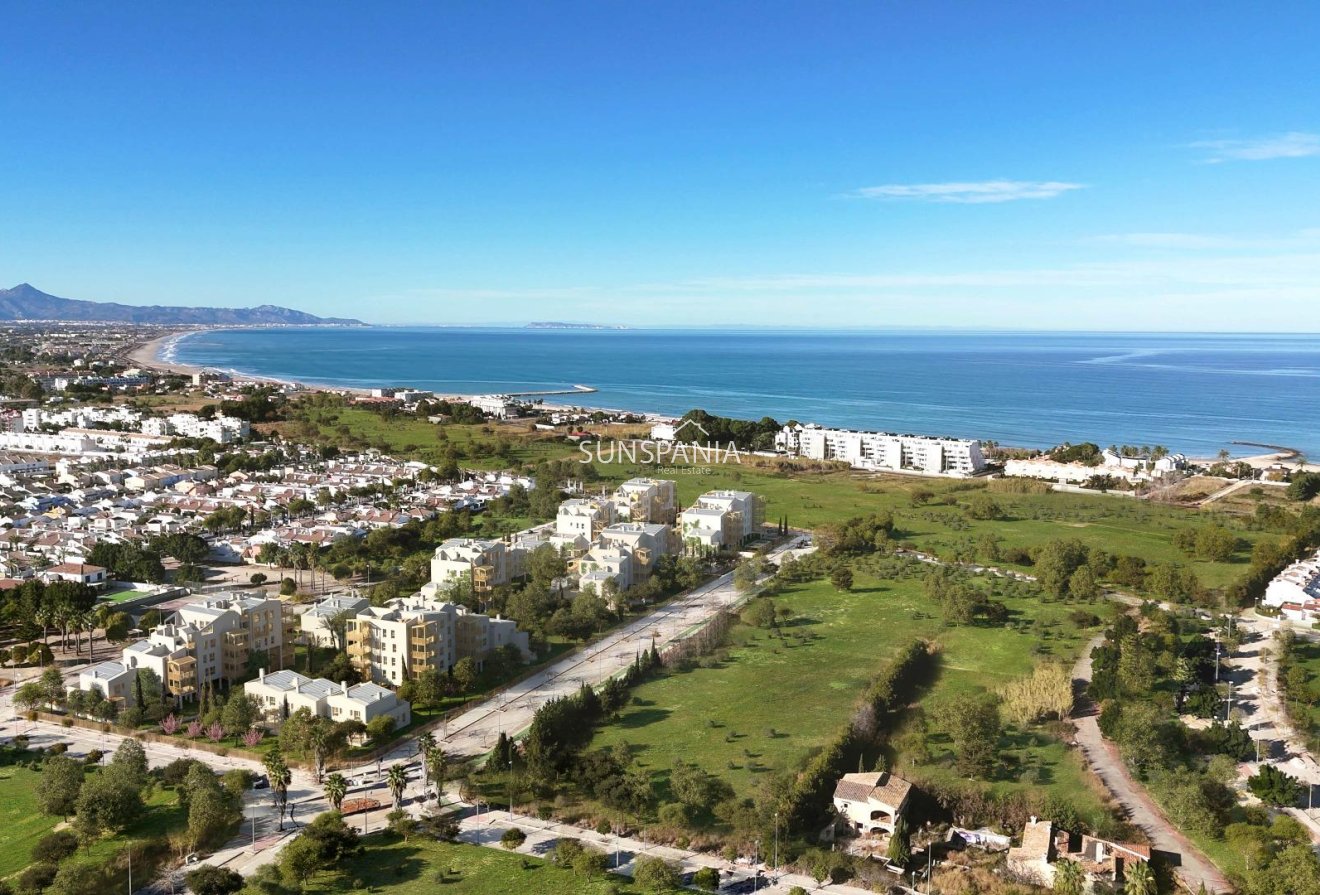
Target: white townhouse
{"points": [[282, 693], [1295, 591], [111, 679]]}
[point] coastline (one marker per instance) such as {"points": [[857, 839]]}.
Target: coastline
{"points": [[159, 353]]}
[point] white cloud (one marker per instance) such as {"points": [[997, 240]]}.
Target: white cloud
{"points": [[969, 193], [1294, 144]]}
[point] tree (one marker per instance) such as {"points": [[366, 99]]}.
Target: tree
{"points": [[899, 850], [130, 762], [1140, 880], [402, 824], [336, 787], [972, 720], [239, 714], [60, 783], [656, 875], [465, 674], [108, 802], [1069, 878], [208, 880], [55, 847], [280, 777], [707, 878], [380, 728], [842, 578], [983, 507], [117, 626], [1274, 787], [397, 779], [747, 573]]}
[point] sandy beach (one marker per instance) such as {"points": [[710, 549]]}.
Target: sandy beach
{"points": [[148, 355]]}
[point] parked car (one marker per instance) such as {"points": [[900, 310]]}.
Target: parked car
{"points": [[261, 782]]}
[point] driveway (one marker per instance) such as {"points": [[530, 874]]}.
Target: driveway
{"points": [[1102, 756]]}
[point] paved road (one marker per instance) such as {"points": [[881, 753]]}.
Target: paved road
{"points": [[1104, 760], [472, 733], [1256, 695], [476, 730], [486, 828]]}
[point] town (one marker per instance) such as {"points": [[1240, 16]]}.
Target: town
{"points": [[391, 641]]}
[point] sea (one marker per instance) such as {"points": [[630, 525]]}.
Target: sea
{"points": [[1192, 393]]}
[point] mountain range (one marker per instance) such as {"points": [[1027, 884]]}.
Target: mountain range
{"points": [[26, 302]]}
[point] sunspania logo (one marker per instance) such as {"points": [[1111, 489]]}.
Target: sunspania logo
{"points": [[682, 448]]}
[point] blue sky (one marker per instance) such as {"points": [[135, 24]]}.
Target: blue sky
{"points": [[1143, 166]]}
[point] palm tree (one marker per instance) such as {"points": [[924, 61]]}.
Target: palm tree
{"points": [[437, 762], [280, 778], [336, 787], [425, 746], [1069, 879], [397, 779], [1140, 881]]}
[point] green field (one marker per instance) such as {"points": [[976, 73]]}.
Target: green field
{"points": [[422, 866], [805, 685], [410, 436], [1118, 525], [22, 823]]}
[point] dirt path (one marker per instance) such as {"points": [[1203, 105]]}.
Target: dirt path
{"points": [[1194, 867]]}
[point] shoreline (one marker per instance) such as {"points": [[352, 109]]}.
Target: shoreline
{"points": [[149, 355], [152, 355]]}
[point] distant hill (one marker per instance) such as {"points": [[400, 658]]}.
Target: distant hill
{"points": [[25, 302], [555, 324]]}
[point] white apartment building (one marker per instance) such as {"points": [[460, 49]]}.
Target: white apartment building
{"points": [[722, 520], [883, 451], [412, 635], [646, 500], [282, 693], [484, 562], [626, 553], [502, 407], [221, 429], [208, 641], [40, 442], [584, 516], [315, 622]]}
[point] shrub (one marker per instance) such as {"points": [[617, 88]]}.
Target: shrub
{"points": [[707, 878], [54, 847], [513, 838]]}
